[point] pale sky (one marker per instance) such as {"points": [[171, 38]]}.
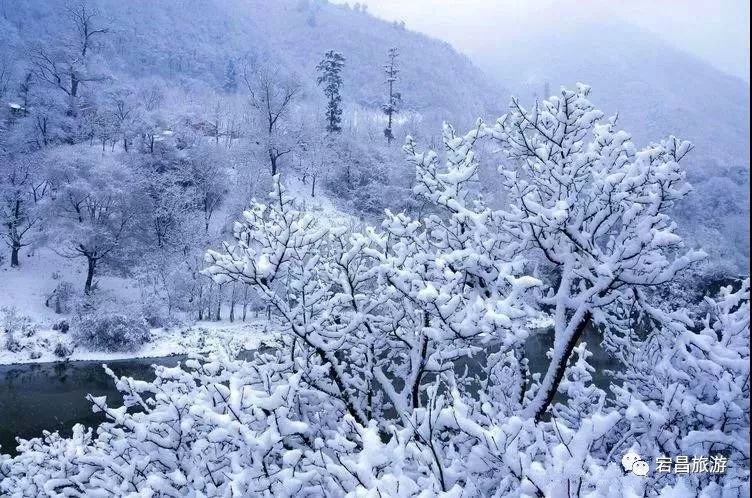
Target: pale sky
{"points": [[714, 30]]}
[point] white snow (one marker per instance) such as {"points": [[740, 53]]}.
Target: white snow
{"points": [[203, 337], [26, 288]]}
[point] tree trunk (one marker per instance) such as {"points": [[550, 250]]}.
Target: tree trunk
{"points": [[209, 300], [556, 370], [14, 248], [232, 304], [273, 160], [74, 86], [200, 302], [389, 135], [219, 303], [245, 301], [92, 264], [73, 104], [415, 392]]}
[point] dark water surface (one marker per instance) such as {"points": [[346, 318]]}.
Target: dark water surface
{"points": [[52, 396]]}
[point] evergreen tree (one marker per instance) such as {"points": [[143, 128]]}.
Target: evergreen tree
{"points": [[331, 78], [230, 84], [391, 107]]}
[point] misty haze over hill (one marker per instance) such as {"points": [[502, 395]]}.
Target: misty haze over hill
{"points": [[657, 90]]}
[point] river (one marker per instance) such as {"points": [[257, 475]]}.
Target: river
{"points": [[52, 396]]}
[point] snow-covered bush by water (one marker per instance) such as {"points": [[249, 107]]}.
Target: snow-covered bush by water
{"points": [[15, 328], [61, 350], [110, 331], [14, 322], [155, 314], [63, 298], [366, 392]]}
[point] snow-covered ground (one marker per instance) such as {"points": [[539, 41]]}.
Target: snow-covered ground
{"points": [[25, 290], [325, 209], [203, 337]]}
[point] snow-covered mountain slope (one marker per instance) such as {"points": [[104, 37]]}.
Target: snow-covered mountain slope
{"points": [[191, 42], [657, 90]]}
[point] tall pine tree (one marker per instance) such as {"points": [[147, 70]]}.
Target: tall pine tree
{"points": [[230, 84], [391, 107], [331, 78]]}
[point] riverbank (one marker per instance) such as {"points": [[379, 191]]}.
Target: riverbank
{"points": [[44, 346]]}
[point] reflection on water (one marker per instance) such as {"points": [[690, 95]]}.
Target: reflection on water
{"points": [[52, 396]]}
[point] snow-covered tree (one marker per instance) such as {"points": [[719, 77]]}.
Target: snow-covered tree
{"points": [[171, 204], [123, 109], [330, 76], [48, 120], [95, 204], [216, 120], [6, 69], [272, 97], [206, 179], [230, 83], [68, 64], [594, 211], [23, 188], [316, 155], [394, 98]]}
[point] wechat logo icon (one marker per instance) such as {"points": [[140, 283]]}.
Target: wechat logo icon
{"points": [[633, 463]]}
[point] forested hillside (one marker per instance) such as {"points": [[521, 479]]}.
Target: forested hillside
{"points": [[131, 133], [191, 45]]}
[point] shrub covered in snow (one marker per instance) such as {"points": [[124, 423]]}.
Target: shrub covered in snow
{"points": [[15, 323], [63, 298], [155, 313], [61, 350], [62, 326], [110, 331], [11, 343], [15, 329]]}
